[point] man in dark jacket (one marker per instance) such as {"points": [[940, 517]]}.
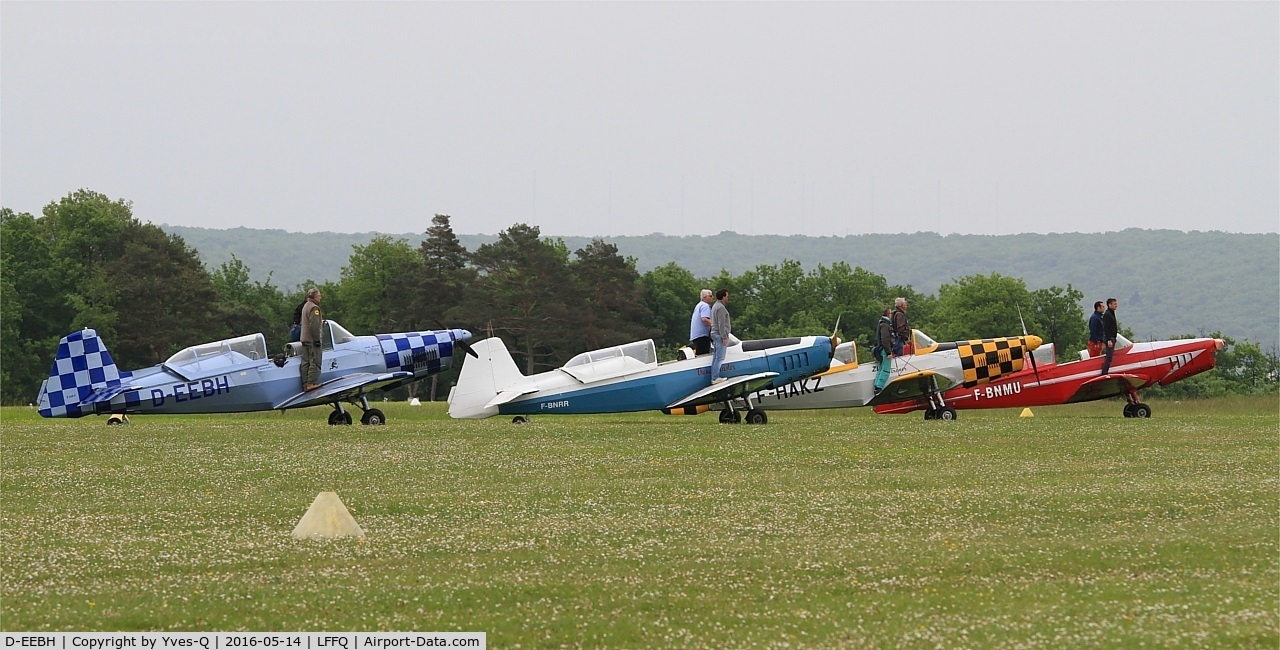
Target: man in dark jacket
{"points": [[1110, 329], [901, 328], [1097, 341], [295, 332]]}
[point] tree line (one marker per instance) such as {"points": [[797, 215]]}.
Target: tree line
{"points": [[87, 262]]}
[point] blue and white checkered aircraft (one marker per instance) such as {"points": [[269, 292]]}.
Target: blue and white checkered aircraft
{"points": [[236, 375], [629, 378]]}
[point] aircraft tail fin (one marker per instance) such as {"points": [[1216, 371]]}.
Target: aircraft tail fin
{"points": [[84, 379], [482, 379]]}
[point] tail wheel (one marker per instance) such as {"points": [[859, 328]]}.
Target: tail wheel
{"points": [[373, 417], [1140, 410], [947, 413], [340, 418], [730, 417], [116, 420], [757, 416], [519, 419]]}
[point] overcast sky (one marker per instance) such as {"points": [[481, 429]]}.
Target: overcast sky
{"points": [[628, 119]]}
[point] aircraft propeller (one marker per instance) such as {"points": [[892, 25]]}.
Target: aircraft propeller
{"points": [[1030, 353], [835, 339], [466, 347]]}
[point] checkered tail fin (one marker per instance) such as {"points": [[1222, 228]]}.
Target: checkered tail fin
{"points": [[83, 375]]}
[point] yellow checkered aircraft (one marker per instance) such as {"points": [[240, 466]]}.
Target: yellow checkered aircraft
{"points": [[926, 374]]}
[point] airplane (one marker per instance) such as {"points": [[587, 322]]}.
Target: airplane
{"points": [[236, 375], [629, 378], [926, 374], [1134, 366]]}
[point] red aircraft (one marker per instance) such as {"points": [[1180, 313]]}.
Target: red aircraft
{"points": [[1133, 366]]}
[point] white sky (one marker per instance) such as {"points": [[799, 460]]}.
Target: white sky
{"points": [[625, 119]]}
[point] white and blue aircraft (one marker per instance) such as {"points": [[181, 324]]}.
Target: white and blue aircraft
{"points": [[629, 378], [236, 375]]}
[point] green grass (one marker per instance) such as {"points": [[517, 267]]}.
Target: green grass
{"points": [[1075, 528]]}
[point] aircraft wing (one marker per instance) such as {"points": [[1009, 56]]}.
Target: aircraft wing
{"points": [[731, 388], [1105, 386], [912, 386], [343, 388]]}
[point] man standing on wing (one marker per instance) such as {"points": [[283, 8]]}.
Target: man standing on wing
{"points": [[700, 324], [720, 330], [1110, 329], [311, 341]]}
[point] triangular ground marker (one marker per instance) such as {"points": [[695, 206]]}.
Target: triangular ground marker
{"points": [[327, 517], [415, 402], [1026, 413]]}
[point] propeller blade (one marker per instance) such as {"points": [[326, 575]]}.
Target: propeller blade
{"points": [[466, 347], [1030, 353]]}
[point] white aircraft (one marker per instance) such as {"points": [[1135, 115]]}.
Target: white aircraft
{"points": [[629, 378], [924, 375]]}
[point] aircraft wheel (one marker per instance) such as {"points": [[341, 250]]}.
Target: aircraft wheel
{"points": [[930, 414], [115, 420], [947, 413], [1140, 410], [340, 418], [1128, 410], [373, 417], [519, 419], [730, 417], [757, 416]]}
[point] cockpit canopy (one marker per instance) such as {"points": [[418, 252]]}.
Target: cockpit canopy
{"points": [[613, 362], [845, 353], [206, 358], [334, 334], [922, 342]]}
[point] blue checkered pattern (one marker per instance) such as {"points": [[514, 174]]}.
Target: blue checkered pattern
{"points": [[84, 379], [426, 351]]}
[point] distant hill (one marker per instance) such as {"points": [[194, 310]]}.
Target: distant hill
{"points": [[1169, 282]]}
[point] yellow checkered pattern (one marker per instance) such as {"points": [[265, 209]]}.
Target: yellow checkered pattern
{"points": [[987, 359]]}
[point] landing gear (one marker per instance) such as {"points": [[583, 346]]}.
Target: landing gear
{"points": [[1138, 410], [520, 419], [1135, 408], [371, 417], [938, 409], [117, 419], [754, 414]]}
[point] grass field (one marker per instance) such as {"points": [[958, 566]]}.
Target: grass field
{"points": [[1075, 528]]}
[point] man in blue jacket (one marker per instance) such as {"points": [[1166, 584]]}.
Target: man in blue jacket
{"points": [[1096, 339]]}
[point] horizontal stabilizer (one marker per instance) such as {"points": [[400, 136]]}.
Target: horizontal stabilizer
{"points": [[731, 388], [508, 395], [106, 394], [342, 388]]}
